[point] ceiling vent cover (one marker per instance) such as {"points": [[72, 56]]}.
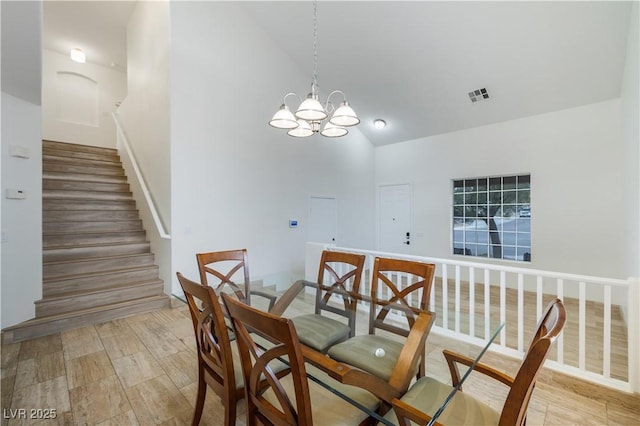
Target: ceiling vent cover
{"points": [[479, 95]]}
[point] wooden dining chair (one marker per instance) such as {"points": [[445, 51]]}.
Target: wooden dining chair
{"points": [[290, 399], [229, 271], [420, 403], [402, 299], [339, 277], [215, 350]]}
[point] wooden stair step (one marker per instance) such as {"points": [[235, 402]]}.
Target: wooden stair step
{"points": [[83, 177], [74, 185], [79, 204], [89, 215], [84, 300], [62, 254], [111, 156], [97, 280], [78, 148], [61, 166], [96, 226], [86, 195], [84, 266], [86, 238], [53, 324], [80, 161]]}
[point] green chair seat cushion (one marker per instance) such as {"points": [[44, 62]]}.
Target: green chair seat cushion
{"points": [[427, 394], [320, 332], [326, 407], [360, 351]]}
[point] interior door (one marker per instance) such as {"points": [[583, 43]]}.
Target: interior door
{"points": [[323, 220], [395, 218]]}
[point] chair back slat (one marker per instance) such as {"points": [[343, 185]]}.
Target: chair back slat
{"points": [[339, 275], [390, 295], [549, 327], [224, 270], [281, 409]]}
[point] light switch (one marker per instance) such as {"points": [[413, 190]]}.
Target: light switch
{"points": [[16, 194], [19, 151]]}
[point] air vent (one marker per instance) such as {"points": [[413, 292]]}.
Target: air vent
{"points": [[479, 95]]}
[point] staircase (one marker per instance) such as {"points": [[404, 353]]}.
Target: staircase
{"points": [[97, 263]]}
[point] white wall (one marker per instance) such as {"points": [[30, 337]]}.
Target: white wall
{"points": [[236, 181], [145, 118], [64, 117], [630, 95], [574, 157], [21, 219]]}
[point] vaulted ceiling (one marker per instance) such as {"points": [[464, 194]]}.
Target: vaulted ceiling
{"points": [[414, 63]]}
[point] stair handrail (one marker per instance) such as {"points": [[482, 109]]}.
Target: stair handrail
{"points": [[145, 190]]}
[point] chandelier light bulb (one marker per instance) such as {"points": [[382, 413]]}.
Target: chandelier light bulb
{"points": [[283, 119], [302, 131], [330, 130]]}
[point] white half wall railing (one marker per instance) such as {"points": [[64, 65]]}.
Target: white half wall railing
{"points": [[470, 298], [123, 144]]}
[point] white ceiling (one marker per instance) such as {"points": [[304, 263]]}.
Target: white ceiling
{"points": [[413, 63], [99, 28]]}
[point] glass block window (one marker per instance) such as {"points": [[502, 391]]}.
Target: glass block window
{"points": [[492, 217]]}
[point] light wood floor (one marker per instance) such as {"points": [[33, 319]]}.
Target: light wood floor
{"points": [[142, 370]]}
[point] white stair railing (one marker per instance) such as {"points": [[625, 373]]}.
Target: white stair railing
{"points": [[123, 143]]}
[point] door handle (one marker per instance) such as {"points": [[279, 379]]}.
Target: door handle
{"points": [[407, 242]]}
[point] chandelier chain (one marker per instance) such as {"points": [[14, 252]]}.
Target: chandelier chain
{"points": [[315, 44]]}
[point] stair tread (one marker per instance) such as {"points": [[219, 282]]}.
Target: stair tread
{"points": [[76, 147], [98, 273], [49, 318], [93, 259], [112, 287], [108, 244]]}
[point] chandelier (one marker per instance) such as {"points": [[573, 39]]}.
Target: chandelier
{"points": [[311, 114]]}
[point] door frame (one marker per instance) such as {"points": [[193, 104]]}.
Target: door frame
{"points": [[378, 204]]}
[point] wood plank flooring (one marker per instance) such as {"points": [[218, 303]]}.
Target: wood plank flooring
{"points": [[142, 370]]}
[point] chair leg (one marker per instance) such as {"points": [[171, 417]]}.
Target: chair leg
{"points": [[230, 402], [202, 393]]}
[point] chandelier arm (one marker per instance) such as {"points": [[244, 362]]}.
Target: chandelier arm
{"points": [[284, 99], [329, 104]]}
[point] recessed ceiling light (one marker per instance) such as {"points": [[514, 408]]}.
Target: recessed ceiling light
{"points": [[78, 55], [379, 123]]}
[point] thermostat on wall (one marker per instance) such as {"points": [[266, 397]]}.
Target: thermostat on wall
{"points": [[293, 223]]}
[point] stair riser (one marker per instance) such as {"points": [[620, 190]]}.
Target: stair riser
{"points": [[60, 227], [78, 253], [53, 166], [88, 215], [85, 195], [79, 161], [105, 156], [71, 185], [100, 282], [54, 240], [74, 303], [53, 204], [79, 148], [74, 321], [52, 270], [84, 177]]}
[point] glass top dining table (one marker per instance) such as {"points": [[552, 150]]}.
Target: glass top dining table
{"points": [[303, 302]]}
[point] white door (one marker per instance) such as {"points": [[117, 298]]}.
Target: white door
{"points": [[395, 218], [323, 220]]}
